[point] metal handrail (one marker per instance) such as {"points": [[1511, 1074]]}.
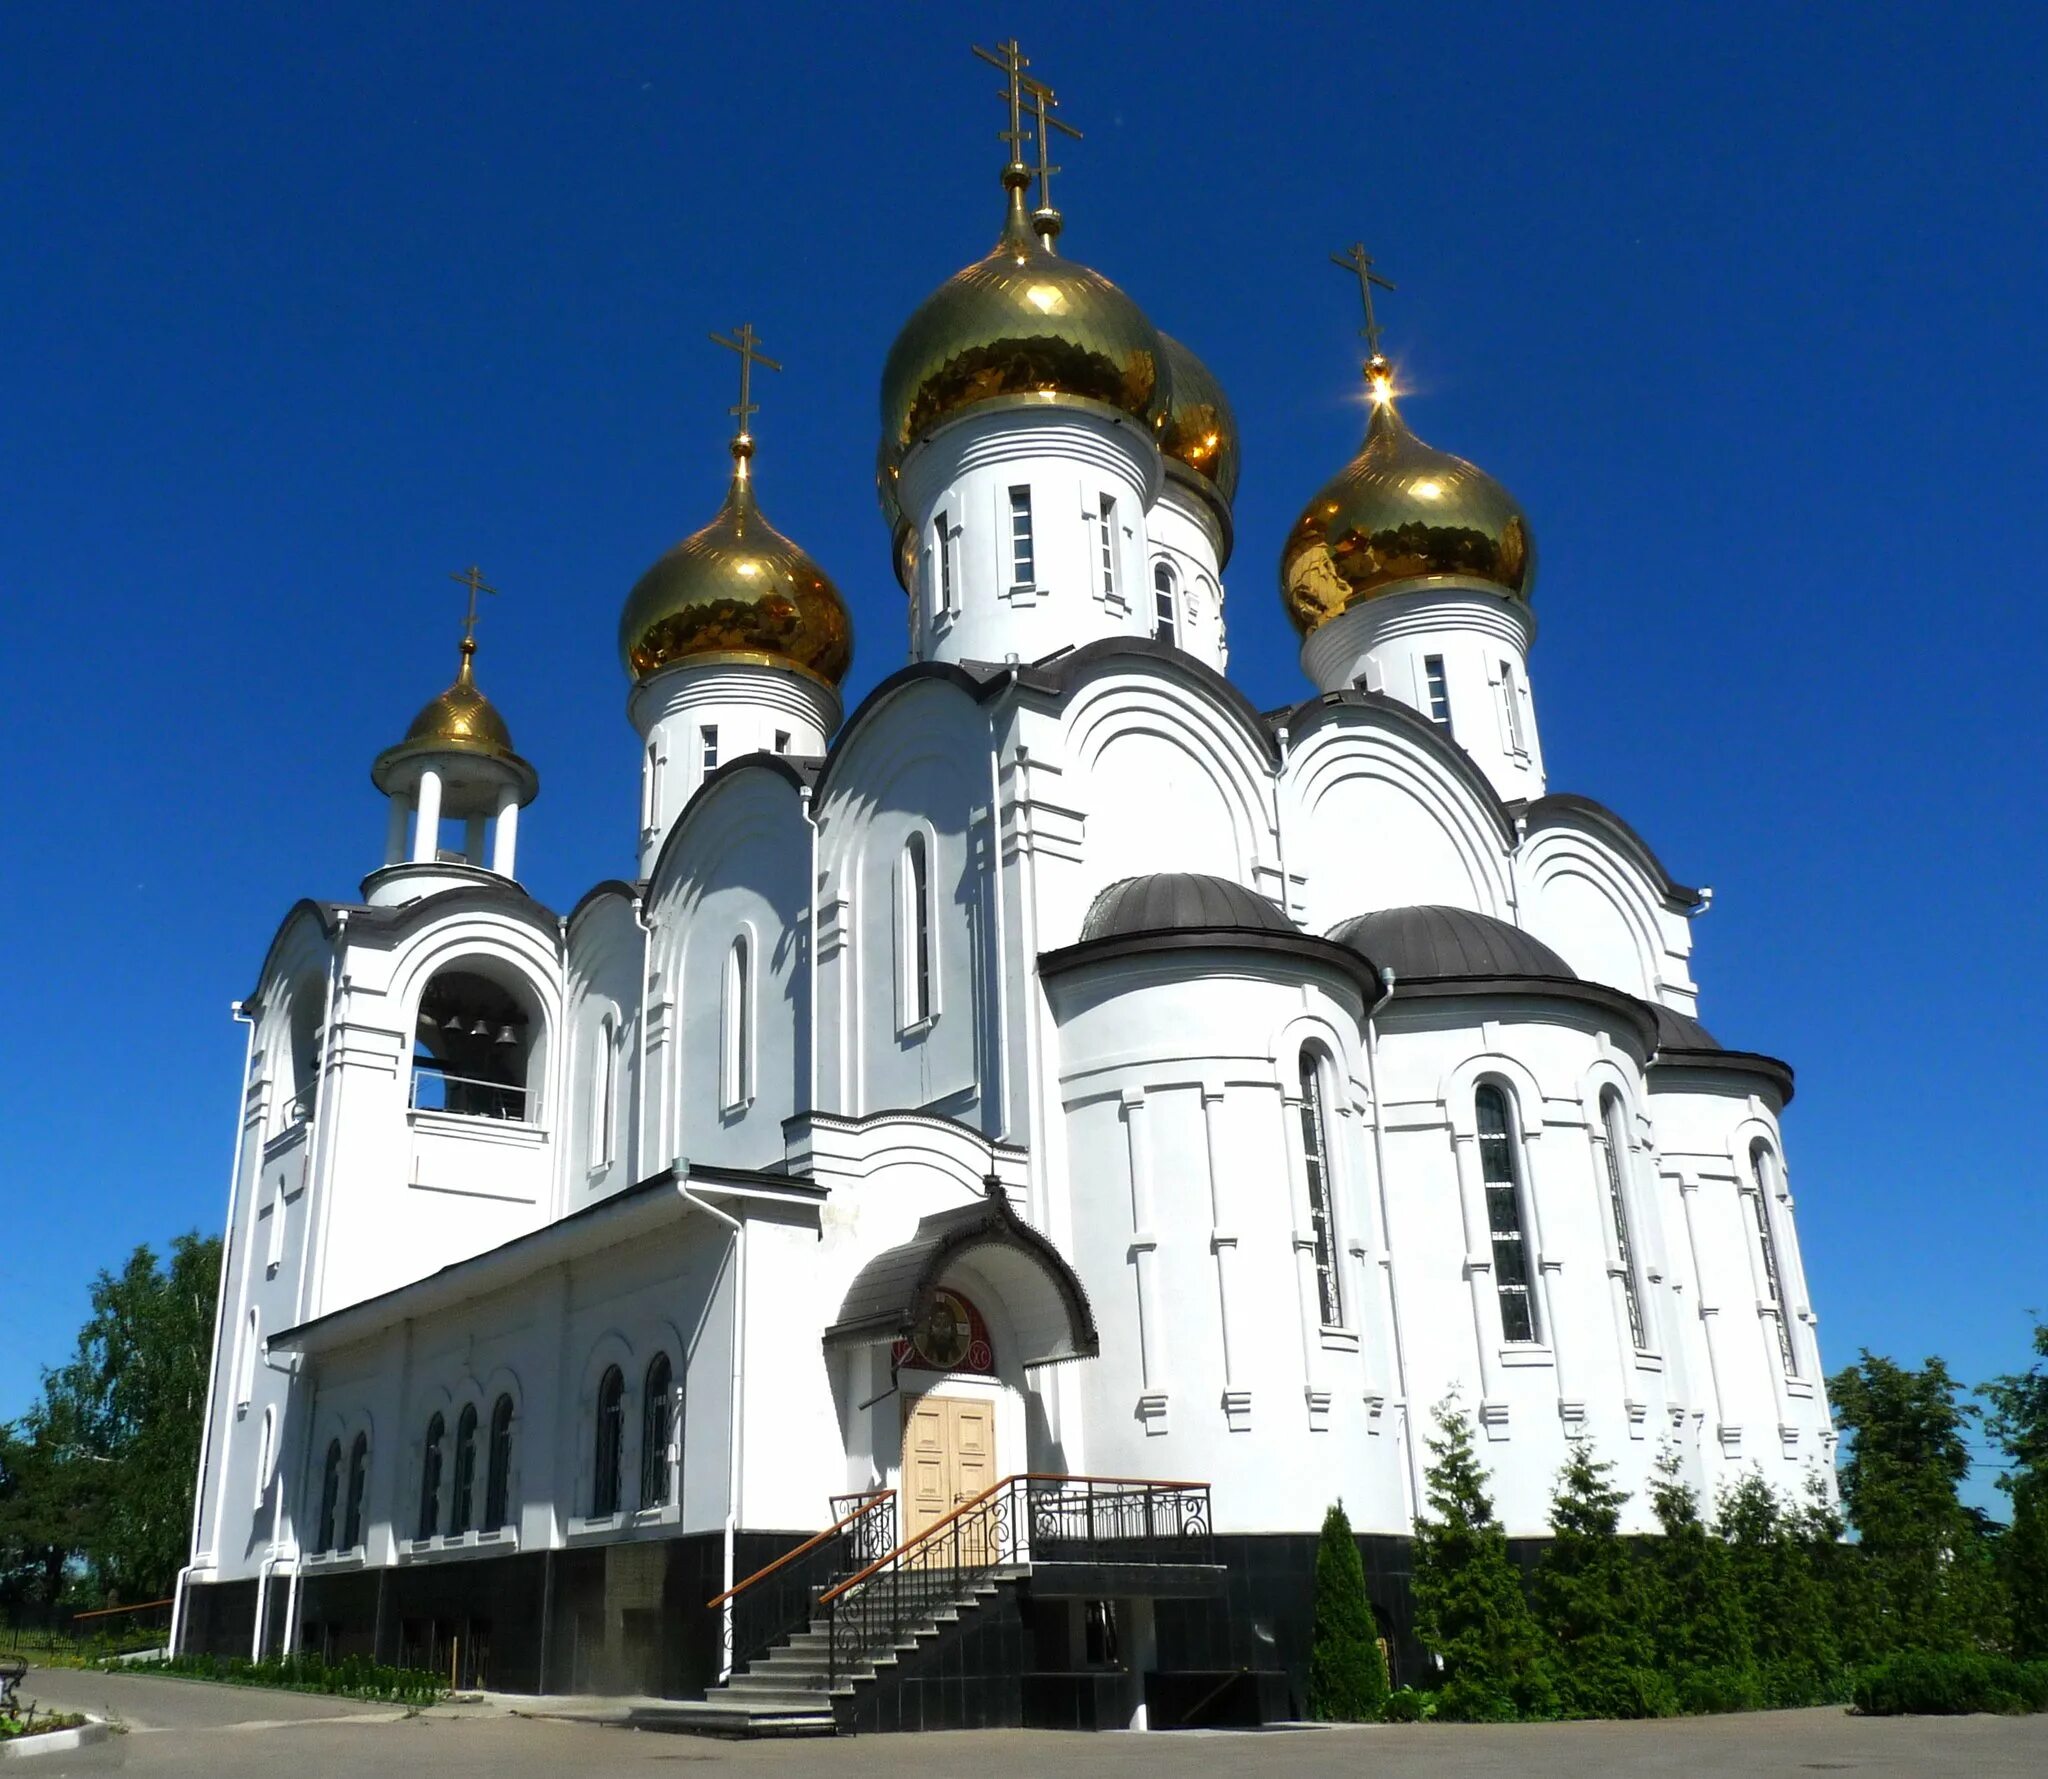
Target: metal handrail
{"points": [[497, 1092], [809, 1544]]}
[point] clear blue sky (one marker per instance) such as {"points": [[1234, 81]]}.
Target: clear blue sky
{"points": [[301, 308]]}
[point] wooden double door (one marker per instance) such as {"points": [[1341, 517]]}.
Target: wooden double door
{"points": [[949, 1456]]}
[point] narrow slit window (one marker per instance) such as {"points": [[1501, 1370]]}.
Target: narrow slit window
{"points": [[1617, 1197], [430, 1479], [245, 1372], [1511, 706], [1438, 690], [782, 741], [657, 1416], [650, 802], [498, 1474], [1501, 1172], [739, 1023], [611, 1426], [462, 1494], [942, 564], [330, 1495], [358, 1491], [1165, 618], [1774, 1290], [707, 741], [1315, 1153], [1023, 558], [917, 930], [601, 1128], [1105, 533]]}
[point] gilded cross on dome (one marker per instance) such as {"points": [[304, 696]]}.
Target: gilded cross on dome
{"points": [[471, 577], [1012, 60], [1360, 262], [1045, 218], [747, 344]]}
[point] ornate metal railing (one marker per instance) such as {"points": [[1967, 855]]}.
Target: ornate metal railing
{"points": [[1020, 1520], [781, 1597]]}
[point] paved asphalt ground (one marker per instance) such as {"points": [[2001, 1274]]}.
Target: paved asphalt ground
{"points": [[225, 1732]]}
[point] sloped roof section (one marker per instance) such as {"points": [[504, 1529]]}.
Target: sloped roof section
{"points": [[1042, 1297]]}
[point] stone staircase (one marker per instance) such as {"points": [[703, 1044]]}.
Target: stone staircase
{"points": [[786, 1691]]}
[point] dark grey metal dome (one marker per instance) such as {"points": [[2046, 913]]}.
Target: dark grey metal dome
{"points": [[1180, 901], [1421, 944], [1680, 1031]]}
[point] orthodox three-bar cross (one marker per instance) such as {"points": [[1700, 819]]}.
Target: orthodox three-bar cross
{"points": [[744, 341], [1012, 60], [1042, 97], [1360, 262], [471, 577]]}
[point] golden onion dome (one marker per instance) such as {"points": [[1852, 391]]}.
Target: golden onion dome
{"points": [[1021, 323], [737, 590], [1199, 430], [1399, 515], [460, 720]]}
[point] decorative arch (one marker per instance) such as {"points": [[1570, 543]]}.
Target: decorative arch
{"points": [[1616, 936]]}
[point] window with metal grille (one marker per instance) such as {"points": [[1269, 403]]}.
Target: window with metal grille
{"points": [[1023, 555], [1439, 691], [611, 1424], [739, 1023], [1511, 705], [1775, 1306], [330, 1495], [463, 1493], [1165, 620], [707, 741], [942, 563], [1500, 1169], [498, 1474], [1315, 1151], [1105, 531], [657, 1409], [1616, 1147], [917, 931]]}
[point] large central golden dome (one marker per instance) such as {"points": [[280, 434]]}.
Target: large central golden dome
{"points": [[737, 590], [1402, 515], [1021, 323]]}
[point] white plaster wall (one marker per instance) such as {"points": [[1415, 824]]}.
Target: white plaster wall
{"points": [[606, 960], [1069, 458], [1599, 910]]}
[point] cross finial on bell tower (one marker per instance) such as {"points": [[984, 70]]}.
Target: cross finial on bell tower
{"points": [[471, 577], [747, 344], [1359, 262]]}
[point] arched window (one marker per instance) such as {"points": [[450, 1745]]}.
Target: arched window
{"points": [[1616, 1148], [1763, 1175], [465, 1471], [358, 1491], [611, 1414], [245, 1371], [1500, 1168], [657, 1416], [1315, 1153], [1165, 612], [330, 1495], [738, 1061], [601, 1093], [264, 1452], [498, 1477], [430, 1479], [918, 997]]}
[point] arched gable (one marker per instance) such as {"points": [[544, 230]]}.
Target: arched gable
{"points": [[1597, 906], [1374, 817]]}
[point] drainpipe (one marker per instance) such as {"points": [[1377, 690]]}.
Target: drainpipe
{"points": [[220, 1306], [803, 807], [679, 1171], [1411, 1476]]}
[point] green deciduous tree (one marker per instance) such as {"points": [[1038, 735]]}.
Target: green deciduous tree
{"points": [[102, 1468], [1470, 1610], [1927, 1560], [1588, 1595], [1699, 1634], [1347, 1670], [2019, 1423]]}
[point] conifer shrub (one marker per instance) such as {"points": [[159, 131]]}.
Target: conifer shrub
{"points": [[1590, 1597], [1347, 1670], [1949, 1683], [1470, 1611], [1790, 1612], [1699, 1635]]}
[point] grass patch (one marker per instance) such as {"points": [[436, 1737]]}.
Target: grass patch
{"points": [[36, 1723], [350, 1678]]}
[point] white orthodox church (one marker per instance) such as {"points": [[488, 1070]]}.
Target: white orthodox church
{"points": [[929, 1248]]}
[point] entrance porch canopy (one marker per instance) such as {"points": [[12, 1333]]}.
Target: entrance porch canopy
{"points": [[1047, 1308]]}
